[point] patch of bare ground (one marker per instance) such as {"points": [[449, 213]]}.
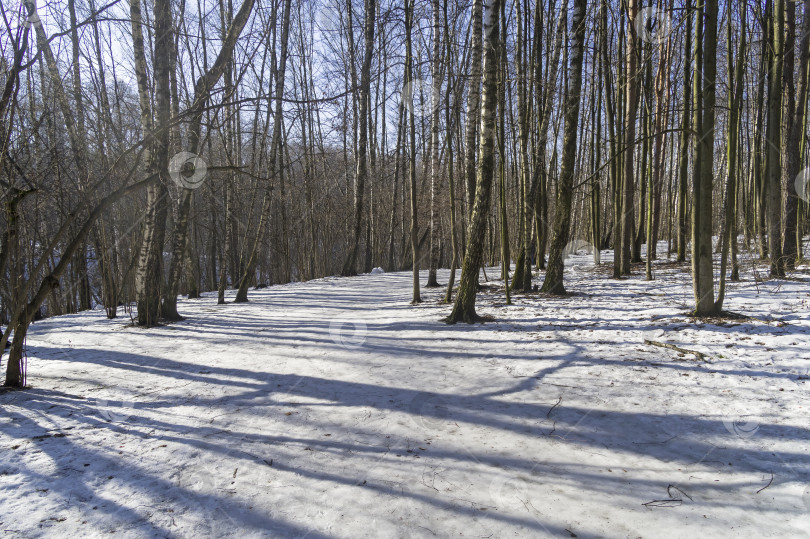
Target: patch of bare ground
{"points": [[724, 318]]}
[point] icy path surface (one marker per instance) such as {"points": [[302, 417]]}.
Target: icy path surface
{"points": [[333, 408]]}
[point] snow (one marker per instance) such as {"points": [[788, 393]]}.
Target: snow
{"points": [[377, 271], [333, 408]]}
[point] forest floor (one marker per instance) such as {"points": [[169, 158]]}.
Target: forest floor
{"points": [[333, 408]]}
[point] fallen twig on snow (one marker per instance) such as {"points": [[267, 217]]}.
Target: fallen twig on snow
{"points": [[700, 355], [552, 408], [766, 486], [671, 502], [663, 442], [669, 491], [664, 503]]}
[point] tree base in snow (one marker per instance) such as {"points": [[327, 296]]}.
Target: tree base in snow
{"points": [[719, 316], [170, 314], [8, 388], [467, 317]]}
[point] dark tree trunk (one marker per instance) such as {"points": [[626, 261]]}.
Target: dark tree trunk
{"points": [[553, 283], [350, 266], [464, 306]]}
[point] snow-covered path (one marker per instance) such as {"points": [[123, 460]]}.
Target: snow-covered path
{"points": [[335, 409]]}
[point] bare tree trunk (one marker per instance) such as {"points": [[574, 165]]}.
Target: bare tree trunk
{"points": [[464, 306], [10, 251], [683, 165], [275, 149], [546, 96], [758, 155], [350, 267], [728, 235], [435, 119], [473, 104], [662, 100], [451, 82], [643, 171], [503, 73], [525, 177], [401, 129], [612, 121], [706, 65], [74, 122], [85, 293], [773, 164], [148, 275], [792, 240], [202, 95], [108, 249], [553, 283], [417, 298], [22, 317], [631, 102], [595, 198]]}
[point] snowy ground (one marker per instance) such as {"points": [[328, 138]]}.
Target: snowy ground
{"points": [[335, 409]]}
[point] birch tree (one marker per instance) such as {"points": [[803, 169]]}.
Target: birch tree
{"points": [[553, 282], [464, 306]]}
